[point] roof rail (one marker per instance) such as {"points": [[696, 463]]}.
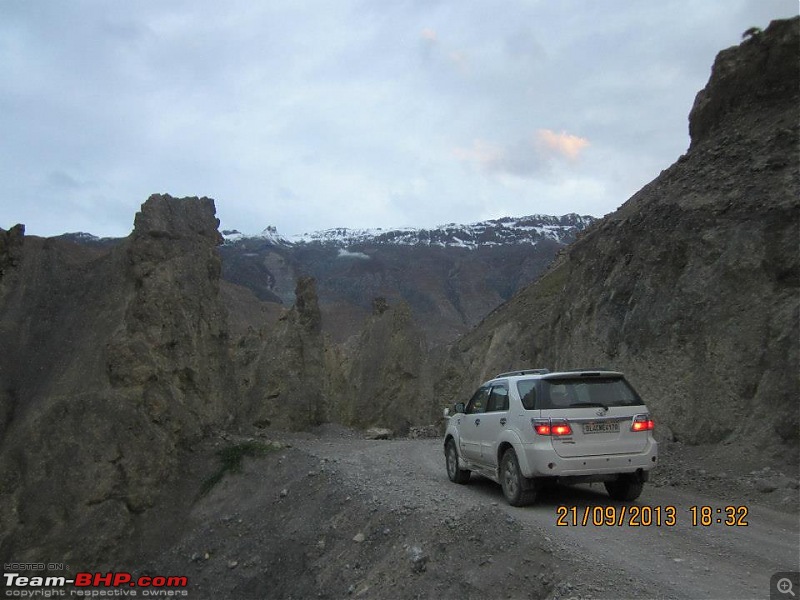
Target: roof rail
{"points": [[523, 372]]}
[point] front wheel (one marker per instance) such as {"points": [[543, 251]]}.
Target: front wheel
{"points": [[455, 474], [516, 487], [624, 488]]}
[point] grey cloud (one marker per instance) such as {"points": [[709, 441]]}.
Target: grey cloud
{"points": [[61, 181], [343, 107]]}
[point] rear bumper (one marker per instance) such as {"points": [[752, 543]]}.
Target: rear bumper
{"points": [[540, 460]]}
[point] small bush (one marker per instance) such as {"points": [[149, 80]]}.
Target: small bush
{"points": [[231, 461]]}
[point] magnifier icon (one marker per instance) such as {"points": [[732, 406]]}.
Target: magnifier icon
{"points": [[784, 586]]}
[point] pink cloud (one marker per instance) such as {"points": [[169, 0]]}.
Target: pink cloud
{"points": [[565, 144], [526, 157]]}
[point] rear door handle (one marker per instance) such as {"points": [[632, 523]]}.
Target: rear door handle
{"points": [[503, 421]]}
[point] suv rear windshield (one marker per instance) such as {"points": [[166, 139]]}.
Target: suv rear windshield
{"points": [[577, 392]]}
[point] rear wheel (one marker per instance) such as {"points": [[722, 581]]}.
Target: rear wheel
{"points": [[516, 488], [624, 488], [455, 474]]}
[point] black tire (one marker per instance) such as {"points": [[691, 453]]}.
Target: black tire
{"points": [[516, 488], [624, 488], [455, 474]]}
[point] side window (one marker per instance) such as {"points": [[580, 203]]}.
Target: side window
{"points": [[527, 393], [498, 399], [478, 402]]}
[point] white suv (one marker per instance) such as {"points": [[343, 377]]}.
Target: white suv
{"points": [[524, 428]]}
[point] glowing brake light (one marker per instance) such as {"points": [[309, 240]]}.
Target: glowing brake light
{"points": [[642, 423], [552, 427], [564, 429]]}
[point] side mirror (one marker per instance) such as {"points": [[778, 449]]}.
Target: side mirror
{"points": [[460, 408], [446, 413]]}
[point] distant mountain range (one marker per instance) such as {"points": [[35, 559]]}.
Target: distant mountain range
{"points": [[495, 232], [450, 276]]}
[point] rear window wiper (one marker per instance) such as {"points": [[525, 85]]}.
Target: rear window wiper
{"points": [[576, 404]]}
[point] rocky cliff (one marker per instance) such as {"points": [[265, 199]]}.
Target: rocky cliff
{"points": [[172, 347], [282, 369], [113, 360], [294, 377], [387, 375], [691, 287]]}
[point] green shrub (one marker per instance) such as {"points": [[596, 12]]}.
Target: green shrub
{"points": [[230, 459]]}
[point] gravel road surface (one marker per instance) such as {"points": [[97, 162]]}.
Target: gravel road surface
{"points": [[331, 515], [670, 558]]}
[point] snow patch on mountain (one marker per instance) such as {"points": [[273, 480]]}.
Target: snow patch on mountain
{"points": [[347, 254], [496, 232]]}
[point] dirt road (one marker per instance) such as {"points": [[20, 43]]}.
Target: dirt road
{"points": [[332, 515], [670, 558]]}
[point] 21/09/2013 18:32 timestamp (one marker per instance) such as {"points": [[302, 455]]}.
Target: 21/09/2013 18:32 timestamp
{"points": [[650, 516]]}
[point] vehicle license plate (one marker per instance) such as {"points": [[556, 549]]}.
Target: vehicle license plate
{"points": [[601, 427]]}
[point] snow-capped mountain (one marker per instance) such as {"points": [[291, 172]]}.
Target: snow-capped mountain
{"points": [[450, 276], [496, 232]]}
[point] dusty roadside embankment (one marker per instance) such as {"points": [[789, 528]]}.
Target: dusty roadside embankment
{"points": [[311, 520]]}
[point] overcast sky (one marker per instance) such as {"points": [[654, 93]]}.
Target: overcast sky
{"points": [[309, 115]]}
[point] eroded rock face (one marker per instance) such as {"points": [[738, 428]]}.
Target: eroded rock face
{"points": [[757, 75], [283, 371], [691, 287], [386, 374], [172, 347], [11, 248], [113, 360]]}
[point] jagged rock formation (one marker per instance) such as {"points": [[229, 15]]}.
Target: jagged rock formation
{"points": [[760, 75], [294, 377], [10, 248], [386, 374], [691, 287], [172, 348], [112, 361], [283, 371]]}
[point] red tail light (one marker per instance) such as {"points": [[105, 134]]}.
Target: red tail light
{"points": [[562, 429], [552, 427], [642, 423]]}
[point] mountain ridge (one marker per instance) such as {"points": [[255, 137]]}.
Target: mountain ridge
{"points": [[450, 276], [529, 229]]}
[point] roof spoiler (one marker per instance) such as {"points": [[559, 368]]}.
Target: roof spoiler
{"points": [[584, 373], [523, 372]]}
